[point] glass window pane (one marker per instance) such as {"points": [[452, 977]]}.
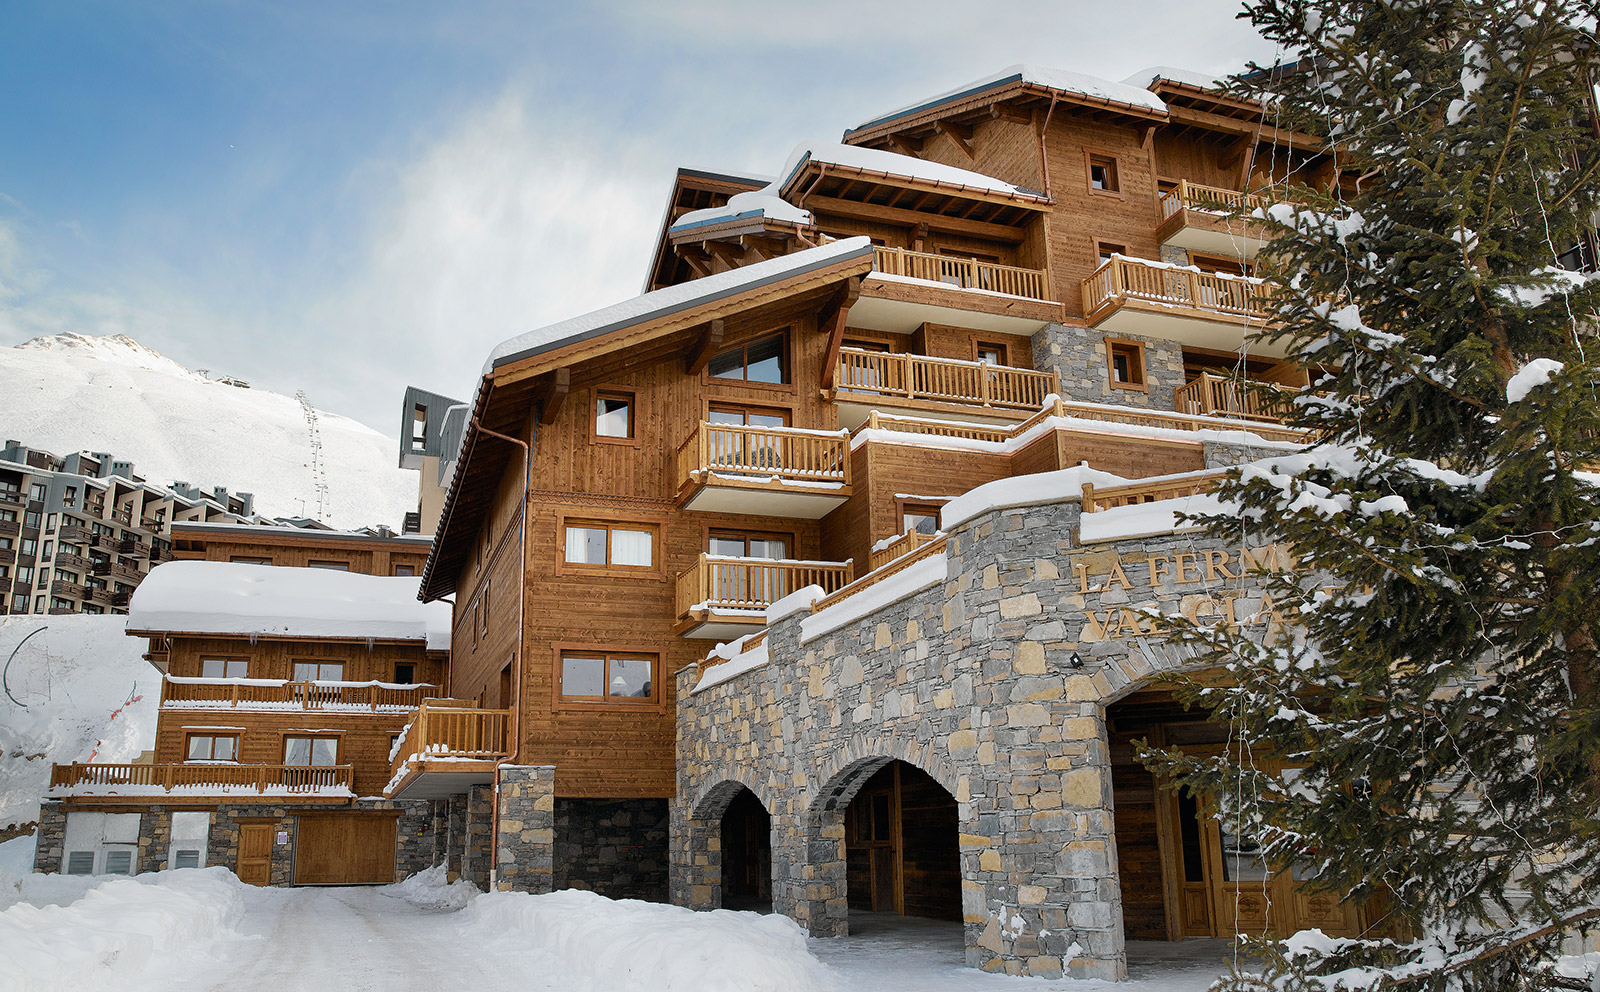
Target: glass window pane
{"points": [[774, 548], [236, 668], [586, 545], [725, 417], [583, 676], [297, 750], [199, 748], [728, 365], [765, 362], [630, 677], [305, 671], [331, 671], [768, 420], [732, 547], [631, 547], [324, 751], [213, 668], [611, 416], [222, 748], [922, 523]]}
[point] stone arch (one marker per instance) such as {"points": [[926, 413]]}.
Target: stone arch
{"points": [[839, 777], [713, 800]]}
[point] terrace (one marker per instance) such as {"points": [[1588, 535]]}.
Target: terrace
{"points": [[722, 597], [200, 782], [774, 471], [446, 749]]}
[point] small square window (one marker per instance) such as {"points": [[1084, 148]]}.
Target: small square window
{"points": [[1125, 360], [1103, 174], [990, 352], [613, 415]]}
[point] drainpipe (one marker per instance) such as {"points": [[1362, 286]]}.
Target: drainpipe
{"points": [[1044, 157], [516, 674]]}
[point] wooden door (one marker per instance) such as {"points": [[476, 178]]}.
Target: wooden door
{"points": [[344, 849], [255, 853]]}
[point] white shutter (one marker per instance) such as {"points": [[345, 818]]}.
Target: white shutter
{"points": [[80, 863]]}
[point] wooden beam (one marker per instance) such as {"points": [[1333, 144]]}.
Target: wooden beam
{"points": [[906, 218], [763, 246], [709, 341], [698, 260], [905, 145], [960, 134], [1229, 155], [1233, 125], [729, 254], [1148, 135], [551, 393], [1009, 112], [832, 321]]}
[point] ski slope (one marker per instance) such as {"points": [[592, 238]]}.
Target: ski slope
{"points": [[70, 392]]}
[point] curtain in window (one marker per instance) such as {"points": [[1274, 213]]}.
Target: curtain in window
{"points": [[631, 547]]}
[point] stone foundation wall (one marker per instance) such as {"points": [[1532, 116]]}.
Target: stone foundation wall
{"points": [[993, 681], [616, 847], [525, 845]]}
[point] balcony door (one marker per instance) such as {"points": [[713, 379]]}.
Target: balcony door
{"points": [[747, 450], [748, 581]]}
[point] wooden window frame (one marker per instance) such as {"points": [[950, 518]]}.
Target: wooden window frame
{"points": [[189, 735], [786, 409], [901, 504], [633, 704], [1115, 344], [483, 601], [1005, 351], [200, 664], [337, 736], [1093, 157], [1100, 246], [655, 571], [343, 664], [792, 537], [790, 366], [327, 564], [632, 396], [410, 571]]}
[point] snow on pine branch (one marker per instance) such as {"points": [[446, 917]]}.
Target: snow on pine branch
{"points": [[1530, 377]]}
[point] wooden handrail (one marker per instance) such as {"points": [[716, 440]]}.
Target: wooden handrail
{"points": [[877, 575], [302, 695], [784, 453], [906, 543], [965, 273], [1111, 497], [1132, 416], [945, 380], [1215, 395], [169, 777], [445, 731], [751, 583], [1123, 278], [1214, 199]]}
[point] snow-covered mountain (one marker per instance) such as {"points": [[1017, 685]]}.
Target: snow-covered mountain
{"points": [[70, 392]]}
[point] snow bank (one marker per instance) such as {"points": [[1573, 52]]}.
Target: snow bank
{"points": [[631, 946], [108, 937], [1024, 490], [82, 690], [764, 203], [1146, 519], [431, 888], [70, 392], [217, 597]]}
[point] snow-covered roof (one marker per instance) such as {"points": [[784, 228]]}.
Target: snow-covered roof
{"points": [[671, 299], [761, 203], [269, 532], [1145, 78], [893, 164], [1064, 80], [217, 597]]}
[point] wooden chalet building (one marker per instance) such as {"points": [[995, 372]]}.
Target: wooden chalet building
{"points": [[806, 578]]}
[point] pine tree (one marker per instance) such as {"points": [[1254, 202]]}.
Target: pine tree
{"points": [[1442, 685]]}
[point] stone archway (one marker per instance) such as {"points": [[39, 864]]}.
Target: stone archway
{"points": [[698, 833]]}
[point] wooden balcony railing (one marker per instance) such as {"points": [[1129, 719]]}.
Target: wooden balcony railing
{"points": [[1193, 196], [10, 528], [1111, 497], [947, 380], [718, 583], [1221, 396], [444, 731], [906, 543], [183, 693], [70, 590], [877, 575], [784, 453], [966, 273], [201, 778], [1122, 279], [77, 534]]}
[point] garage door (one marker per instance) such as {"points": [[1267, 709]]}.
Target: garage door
{"points": [[344, 849]]}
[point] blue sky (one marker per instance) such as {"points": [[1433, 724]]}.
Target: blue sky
{"points": [[350, 197]]}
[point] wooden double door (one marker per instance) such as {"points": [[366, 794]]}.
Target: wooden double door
{"points": [[345, 849]]}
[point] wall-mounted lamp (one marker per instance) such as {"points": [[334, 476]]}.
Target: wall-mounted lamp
{"points": [[1077, 662]]}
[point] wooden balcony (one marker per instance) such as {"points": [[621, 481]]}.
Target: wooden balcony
{"points": [[446, 749], [1180, 303], [906, 543], [7, 555], [880, 379], [75, 563], [962, 273], [1212, 221], [272, 694], [67, 590], [1221, 396], [77, 534], [772, 471], [11, 497], [1136, 493], [721, 598], [199, 783]]}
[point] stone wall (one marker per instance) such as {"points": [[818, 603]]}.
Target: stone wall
{"points": [[1078, 355], [49, 846], [525, 845], [616, 847], [994, 682]]}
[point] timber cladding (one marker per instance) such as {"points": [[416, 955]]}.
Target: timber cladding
{"points": [[275, 658], [364, 739]]}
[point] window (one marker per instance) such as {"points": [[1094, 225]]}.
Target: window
{"points": [[249, 560], [25, 574], [748, 416], [119, 862], [332, 566], [30, 547], [317, 752], [483, 616], [1106, 249], [598, 542], [319, 671], [49, 548], [735, 544], [212, 747], [19, 603], [607, 676], [224, 668], [50, 523], [37, 492], [405, 674], [8, 516], [763, 360], [920, 517], [71, 496], [613, 415], [80, 863], [1103, 173], [405, 570], [1125, 359], [419, 427], [31, 519], [987, 351], [188, 858]]}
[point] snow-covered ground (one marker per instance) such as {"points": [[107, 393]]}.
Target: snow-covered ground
{"points": [[69, 393], [81, 689], [199, 929]]}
